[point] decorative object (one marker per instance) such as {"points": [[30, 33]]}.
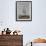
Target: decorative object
{"points": [[23, 10]]}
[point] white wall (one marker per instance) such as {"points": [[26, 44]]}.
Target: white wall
{"points": [[30, 29]]}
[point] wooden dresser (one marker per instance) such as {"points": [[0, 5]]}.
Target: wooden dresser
{"points": [[11, 40]]}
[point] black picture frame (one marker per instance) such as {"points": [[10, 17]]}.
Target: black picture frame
{"points": [[31, 43], [21, 6]]}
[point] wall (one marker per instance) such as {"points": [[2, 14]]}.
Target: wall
{"points": [[31, 29]]}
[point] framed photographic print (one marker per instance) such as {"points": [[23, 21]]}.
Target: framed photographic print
{"points": [[23, 10]]}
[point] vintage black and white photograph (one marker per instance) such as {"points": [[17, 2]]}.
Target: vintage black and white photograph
{"points": [[23, 10]]}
